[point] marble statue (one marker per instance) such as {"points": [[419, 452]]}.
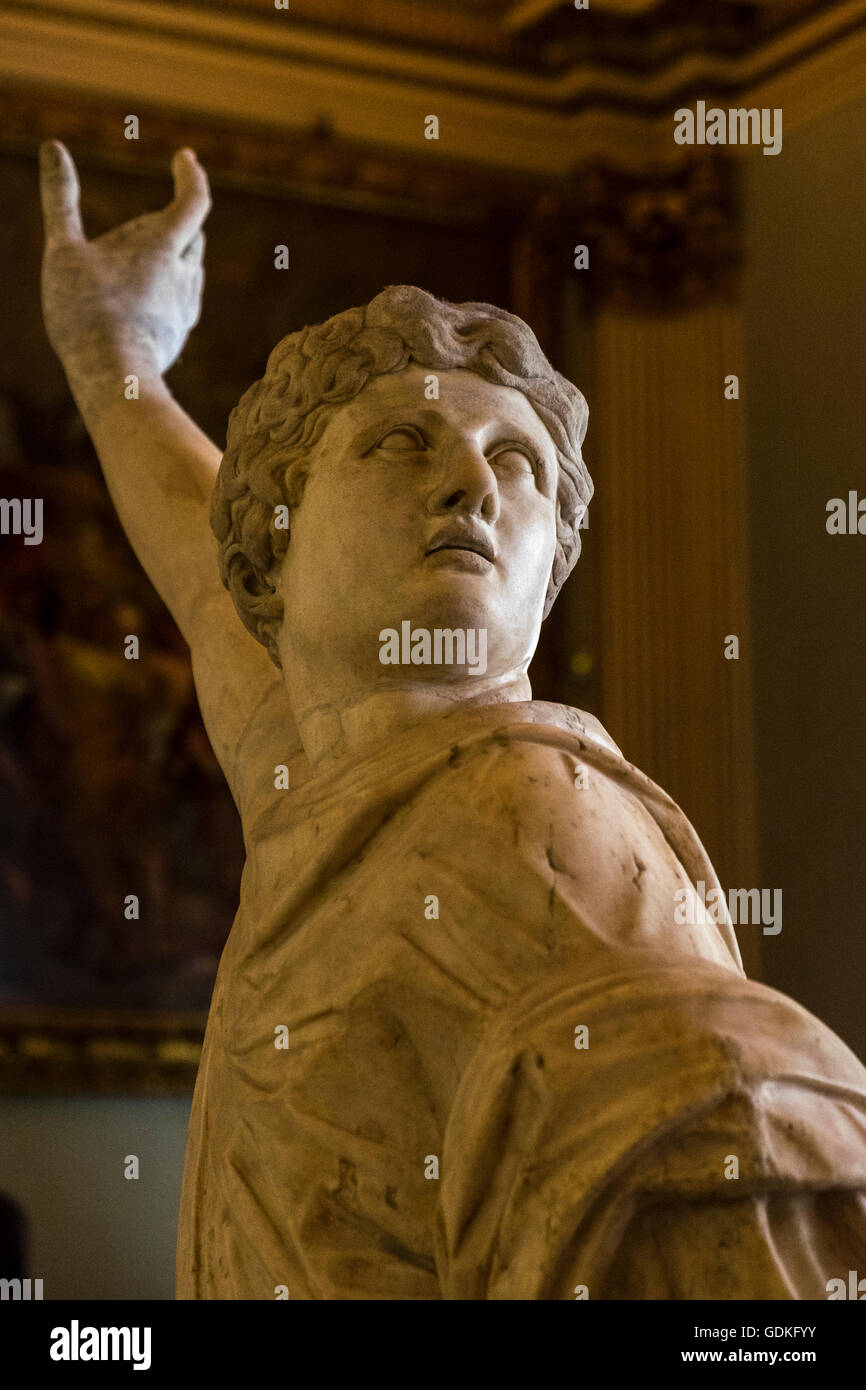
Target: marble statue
{"points": [[461, 1045]]}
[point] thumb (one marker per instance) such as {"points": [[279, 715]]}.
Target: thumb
{"points": [[60, 193], [191, 203]]}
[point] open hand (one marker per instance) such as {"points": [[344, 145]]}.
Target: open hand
{"points": [[136, 291]]}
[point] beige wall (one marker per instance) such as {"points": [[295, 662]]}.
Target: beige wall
{"points": [[93, 1232]]}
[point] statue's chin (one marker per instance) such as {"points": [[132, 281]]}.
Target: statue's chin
{"points": [[457, 595], [460, 588]]}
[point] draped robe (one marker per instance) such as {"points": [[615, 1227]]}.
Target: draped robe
{"points": [[435, 924]]}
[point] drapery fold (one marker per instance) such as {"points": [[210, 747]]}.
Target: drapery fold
{"points": [[420, 925]]}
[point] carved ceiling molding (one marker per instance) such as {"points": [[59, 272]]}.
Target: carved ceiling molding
{"points": [[544, 37], [657, 237], [291, 70], [315, 165]]}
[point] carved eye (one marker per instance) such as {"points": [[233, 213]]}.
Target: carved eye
{"points": [[517, 457], [403, 439]]}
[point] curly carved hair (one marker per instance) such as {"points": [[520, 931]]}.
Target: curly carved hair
{"points": [[311, 373]]}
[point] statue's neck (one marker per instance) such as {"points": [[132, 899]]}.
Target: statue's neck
{"points": [[341, 728]]}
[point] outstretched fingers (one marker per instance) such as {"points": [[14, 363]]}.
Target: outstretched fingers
{"points": [[191, 204], [60, 193]]}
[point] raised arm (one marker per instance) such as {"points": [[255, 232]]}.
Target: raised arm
{"points": [[120, 306]]}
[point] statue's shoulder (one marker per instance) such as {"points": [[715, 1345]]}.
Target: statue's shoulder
{"points": [[577, 721], [522, 747], [548, 720]]}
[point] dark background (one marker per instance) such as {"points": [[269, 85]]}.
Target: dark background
{"points": [[108, 785]]}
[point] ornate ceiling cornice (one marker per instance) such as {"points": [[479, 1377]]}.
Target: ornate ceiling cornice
{"points": [[525, 86], [545, 37], [316, 102]]}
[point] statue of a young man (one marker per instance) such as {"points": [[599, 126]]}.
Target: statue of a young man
{"points": [[460, 1043]]}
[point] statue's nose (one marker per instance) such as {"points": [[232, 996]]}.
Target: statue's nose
{"points": [[466, 482]]}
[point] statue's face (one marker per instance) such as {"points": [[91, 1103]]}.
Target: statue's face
{"points": [[437, 512]]}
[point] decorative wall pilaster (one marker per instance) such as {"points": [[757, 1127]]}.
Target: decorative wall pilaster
{"points": [[669, 520]]}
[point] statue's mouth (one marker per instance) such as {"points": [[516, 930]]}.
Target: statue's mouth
{"points": [[463, 539]]}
